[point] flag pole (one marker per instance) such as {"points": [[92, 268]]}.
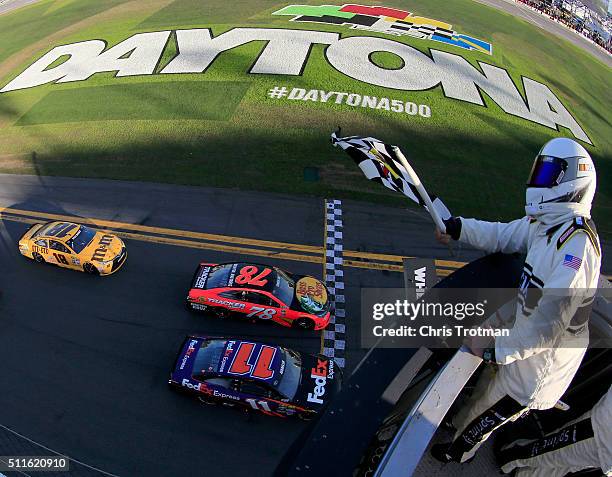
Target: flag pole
{"points": [[421, 189]]}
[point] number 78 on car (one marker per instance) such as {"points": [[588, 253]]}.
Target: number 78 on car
{"points": [[260, 292]]}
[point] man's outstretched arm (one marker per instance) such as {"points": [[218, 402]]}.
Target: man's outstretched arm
{"points": [[488, 236]]}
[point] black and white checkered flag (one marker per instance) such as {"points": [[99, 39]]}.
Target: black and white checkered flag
{"points": [[379, 162]]}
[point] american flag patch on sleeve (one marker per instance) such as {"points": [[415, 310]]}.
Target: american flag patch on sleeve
{"points": [[572, 262]]}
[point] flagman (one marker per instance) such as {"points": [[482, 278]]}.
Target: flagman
{"points": [[585, 443], [539, 358]]}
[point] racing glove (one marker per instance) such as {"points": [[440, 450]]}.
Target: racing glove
{"points": [[453, 227]]}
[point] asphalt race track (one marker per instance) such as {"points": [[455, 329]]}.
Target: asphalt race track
{"points": [[84, 360]]}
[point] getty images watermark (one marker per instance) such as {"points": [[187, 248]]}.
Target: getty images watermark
{"points": [[447, 317], [410, 312]]}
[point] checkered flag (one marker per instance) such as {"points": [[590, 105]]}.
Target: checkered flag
{"points": [[379, 163]]}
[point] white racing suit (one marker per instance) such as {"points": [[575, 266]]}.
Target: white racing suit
{"points": [[582, 444], [543, 351]]}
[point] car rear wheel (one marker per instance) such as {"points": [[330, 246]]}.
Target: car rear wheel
{"points": [[222, 313], [195, 308], [306, 416], [38, 257], [208, 402], [304, 323], [91, 269]]}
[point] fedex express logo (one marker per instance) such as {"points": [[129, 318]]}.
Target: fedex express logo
{"points": [[188, 353], [286, 52], [200, 387], [229, 348], [323, 371], [385, 20], [204, 388]]}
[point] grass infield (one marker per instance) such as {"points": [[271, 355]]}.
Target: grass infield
{"points": [[220, 128], [172, 100]]}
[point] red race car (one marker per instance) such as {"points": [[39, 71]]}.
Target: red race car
{"points": [[260, 292]]}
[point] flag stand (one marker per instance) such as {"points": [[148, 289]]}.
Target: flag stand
{"points": [[422, 192]]}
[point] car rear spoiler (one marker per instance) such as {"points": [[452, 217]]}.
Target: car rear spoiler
{"points": [[197, 272], [182, 347], [30, 232], [178, 354]]}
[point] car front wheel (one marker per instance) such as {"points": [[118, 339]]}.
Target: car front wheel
{"points": [[91, 269], [38, 257], [222, 313], [304, 323]]}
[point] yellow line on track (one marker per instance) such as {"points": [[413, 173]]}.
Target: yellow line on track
{"points": [[318, 256], [111, 224], [191, 244], [224, 243], [24, 220], [382, 257], [373, 265], [218, 247]]}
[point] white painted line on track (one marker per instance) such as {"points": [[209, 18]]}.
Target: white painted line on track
{"points": [[57, 453]]}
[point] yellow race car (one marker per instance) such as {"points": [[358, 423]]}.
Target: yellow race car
{"points": [[74, 246]]}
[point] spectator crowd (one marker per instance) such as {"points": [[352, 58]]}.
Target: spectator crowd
{"points": [[581, 24]]}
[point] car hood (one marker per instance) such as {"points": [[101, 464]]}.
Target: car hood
{"points": [[102, 248], [321, 381], [310, 296]]}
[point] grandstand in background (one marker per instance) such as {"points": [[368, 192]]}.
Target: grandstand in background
{"points": [[576, 15]]}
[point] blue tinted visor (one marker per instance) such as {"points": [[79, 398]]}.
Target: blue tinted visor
{"points": [[547, 171]]}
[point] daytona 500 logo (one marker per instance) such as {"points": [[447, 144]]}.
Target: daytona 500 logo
{"points": [[286, 52]]}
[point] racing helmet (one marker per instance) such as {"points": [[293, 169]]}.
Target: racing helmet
{"points": [[562, 179]]}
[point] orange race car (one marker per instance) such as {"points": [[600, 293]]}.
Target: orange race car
{"points": [[260, 292]]}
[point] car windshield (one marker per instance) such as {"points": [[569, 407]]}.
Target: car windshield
{"points": [[208, 357], [284, 288], [219, 276], [81, 239], [292, 375]]}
